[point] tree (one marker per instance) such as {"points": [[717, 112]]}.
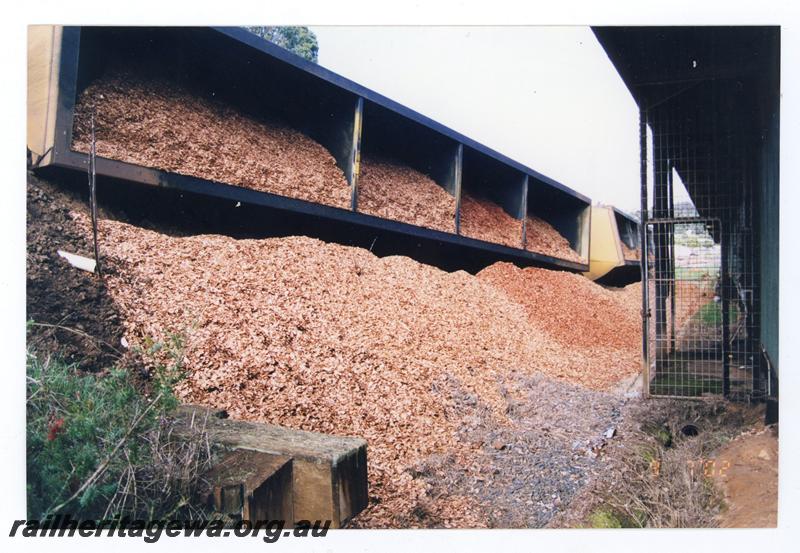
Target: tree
{"points": [[299, 40]]}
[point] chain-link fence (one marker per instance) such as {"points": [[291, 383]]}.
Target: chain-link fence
{"points": [[699, 209]]}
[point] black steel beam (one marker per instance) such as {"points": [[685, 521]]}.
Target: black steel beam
{"points": [[352, 223], [644, 252]]}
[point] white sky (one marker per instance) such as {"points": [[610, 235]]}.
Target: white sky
{"points": [[547, 97]]}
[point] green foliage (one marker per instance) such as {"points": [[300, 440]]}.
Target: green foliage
{"points": [[604, 518], [693, 240], [299, 40], [166, 376], [649, 454], [711, 313], [607, 517], [661, 433], [701, 274], [688, 384], [100, 433]]}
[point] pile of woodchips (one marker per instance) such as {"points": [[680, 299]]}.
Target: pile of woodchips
{"points": [[541, 237], [324, 337], [485, 220], [395, 191], [158, 123], [603, 326], [630, 254]]}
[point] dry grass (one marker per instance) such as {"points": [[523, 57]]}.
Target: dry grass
{"points": [[663, 478], [665, 488], [172, 478]]}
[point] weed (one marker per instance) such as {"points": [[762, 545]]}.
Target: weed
{"points": [[660, 432], [602, 517], [710, 314], [97, 446]]}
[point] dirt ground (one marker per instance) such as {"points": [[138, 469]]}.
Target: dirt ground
{"points": [[750, 483], [74, 317]]}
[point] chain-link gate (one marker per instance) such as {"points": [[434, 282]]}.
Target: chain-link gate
{"points": [[685, 324], [699, 313], [701, 255]]}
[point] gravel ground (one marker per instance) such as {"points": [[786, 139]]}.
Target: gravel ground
{"points": [[530, 470]]}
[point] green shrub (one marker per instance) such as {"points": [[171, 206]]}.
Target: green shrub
{"points": [[604, 518], [98, 447], [607, 517]]}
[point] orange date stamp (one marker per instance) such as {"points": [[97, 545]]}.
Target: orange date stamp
{"points": [[710, 468]]}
